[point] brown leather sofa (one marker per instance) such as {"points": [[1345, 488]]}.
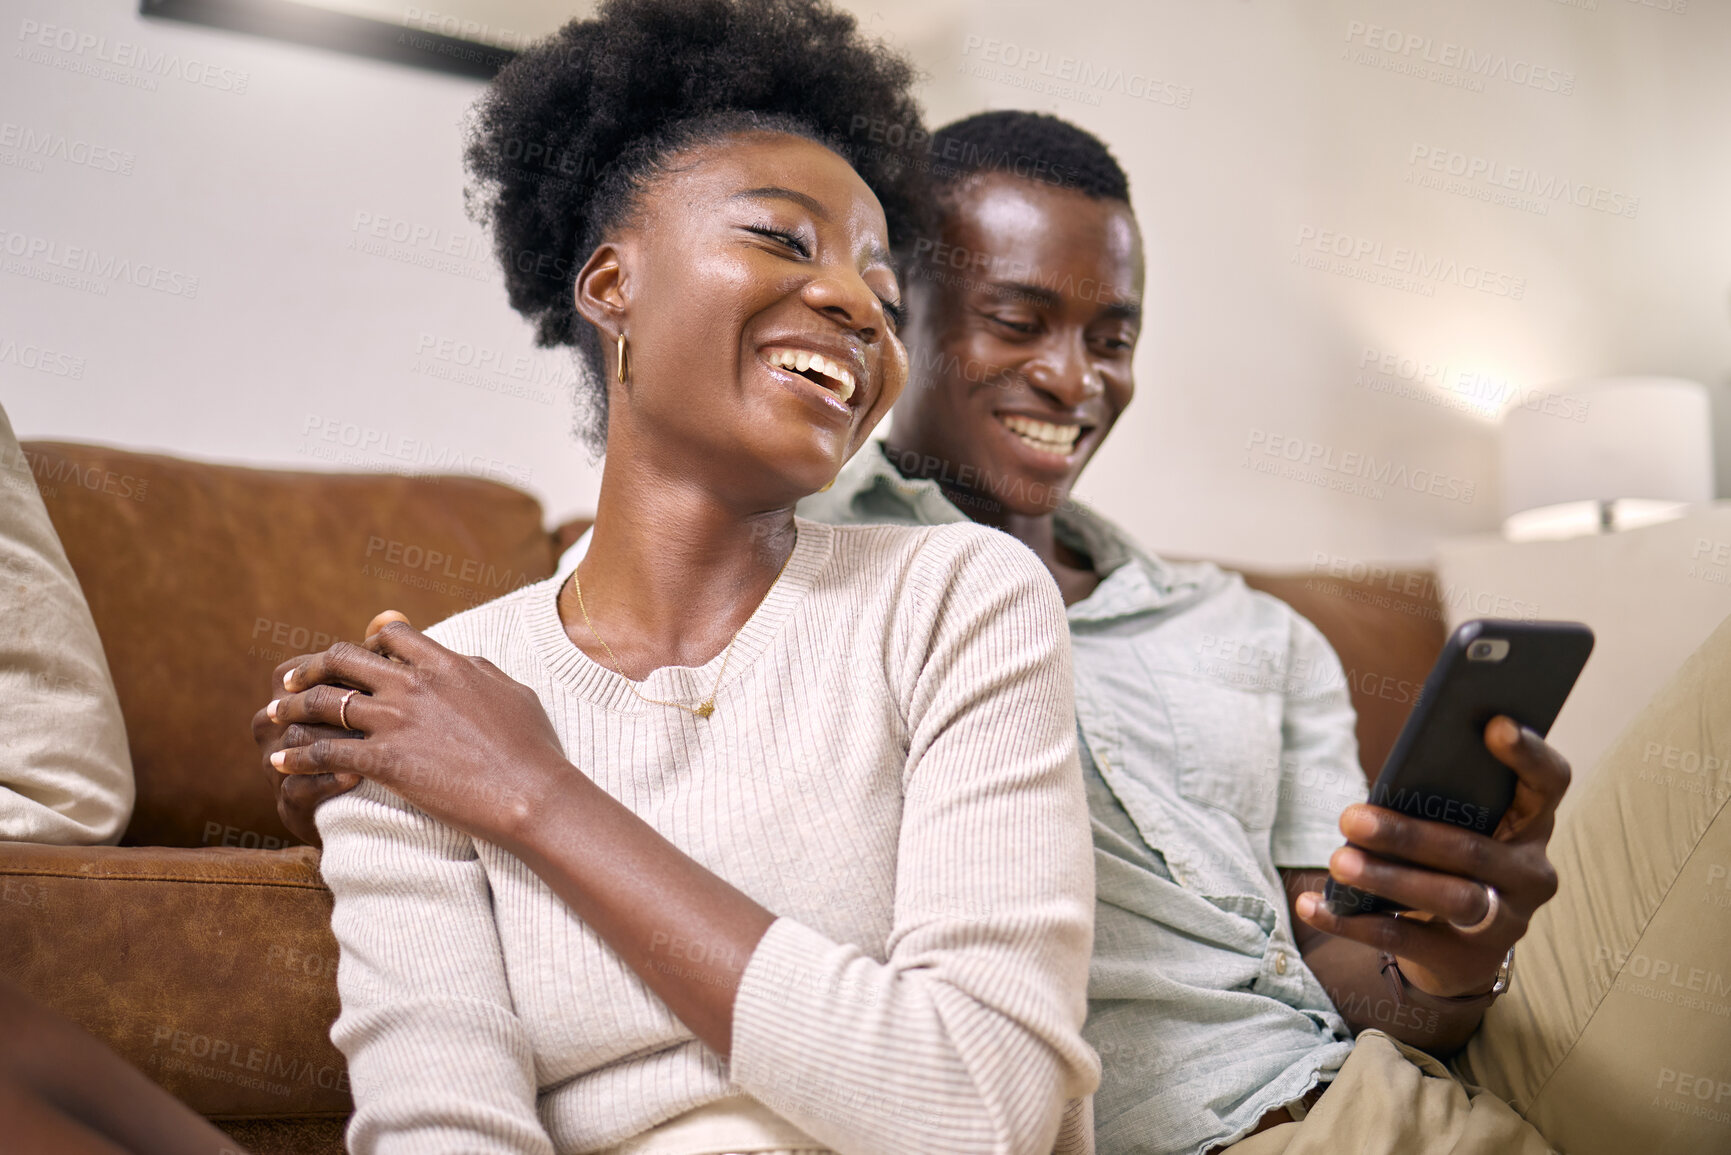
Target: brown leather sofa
{"points": [[200, 947]]}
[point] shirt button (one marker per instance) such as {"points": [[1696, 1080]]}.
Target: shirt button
{"points": [[1280, 962]]}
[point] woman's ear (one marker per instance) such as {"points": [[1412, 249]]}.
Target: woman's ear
{"points": [[603, 289]]}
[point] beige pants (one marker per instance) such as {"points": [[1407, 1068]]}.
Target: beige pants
{"points": [[1615, 1036]]}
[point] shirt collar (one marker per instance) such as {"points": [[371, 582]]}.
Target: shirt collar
{"points": [[1133, 581], [870, 482]]}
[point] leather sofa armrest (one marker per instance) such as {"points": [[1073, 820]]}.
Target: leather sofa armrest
{"points": [[211, 970]]}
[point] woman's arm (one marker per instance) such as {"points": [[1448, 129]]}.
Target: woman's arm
{"points": [[473, 749], [967, 1035], [438, 1060]]}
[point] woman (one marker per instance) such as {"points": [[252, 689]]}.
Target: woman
{"points": [[757, 834]]}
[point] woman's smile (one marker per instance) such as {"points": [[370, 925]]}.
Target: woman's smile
{"points": [[826, 373], [831, 375]]}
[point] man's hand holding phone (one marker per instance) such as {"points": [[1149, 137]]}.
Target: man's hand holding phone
{"points": [[1442, 873]]}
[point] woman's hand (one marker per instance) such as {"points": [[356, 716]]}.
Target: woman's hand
{"points": [[1441, 872], [452, 735]]}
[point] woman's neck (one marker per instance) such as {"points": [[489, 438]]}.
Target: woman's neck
{"points": [[671, 573]]}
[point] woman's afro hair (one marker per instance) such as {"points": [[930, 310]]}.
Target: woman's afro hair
{"points": [[572, 129]]}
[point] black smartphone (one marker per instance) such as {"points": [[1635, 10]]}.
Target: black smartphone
{"points": [[1439, 768]]}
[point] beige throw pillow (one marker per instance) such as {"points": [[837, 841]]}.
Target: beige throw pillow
{"points": [[65, 773]]}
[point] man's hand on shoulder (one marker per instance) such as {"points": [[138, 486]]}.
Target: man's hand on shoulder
{"points": [[299, 795]]}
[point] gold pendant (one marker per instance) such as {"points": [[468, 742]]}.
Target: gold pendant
{"points": [[706, 709]]}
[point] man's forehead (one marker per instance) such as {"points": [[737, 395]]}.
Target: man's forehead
{"points": [[1006, 209], [1009, 212], [1014, 234]]}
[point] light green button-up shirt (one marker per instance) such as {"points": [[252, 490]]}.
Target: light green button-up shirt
{"points": [[1217, 746]]}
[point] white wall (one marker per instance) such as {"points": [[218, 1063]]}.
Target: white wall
{"points": [[270, 197], [1267, 123], [1286, 130]]}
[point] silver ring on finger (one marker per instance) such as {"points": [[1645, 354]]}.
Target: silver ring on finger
{"points": [[1492, 903], [343, 713]]}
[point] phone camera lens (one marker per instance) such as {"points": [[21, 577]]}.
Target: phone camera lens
{"points": [[1482, 650]]}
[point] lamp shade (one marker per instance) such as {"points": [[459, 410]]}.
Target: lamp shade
{"points": [[1609, 439]]}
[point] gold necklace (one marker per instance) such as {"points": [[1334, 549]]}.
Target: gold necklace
{"points": [[706, 707]]}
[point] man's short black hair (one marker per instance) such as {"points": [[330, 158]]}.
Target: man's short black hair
{"points": [[1034, 145]]}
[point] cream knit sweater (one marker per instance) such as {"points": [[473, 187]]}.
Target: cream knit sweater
{"points": [[890, 769]]}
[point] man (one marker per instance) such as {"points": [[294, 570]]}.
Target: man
{"points": [[1210, 987]]}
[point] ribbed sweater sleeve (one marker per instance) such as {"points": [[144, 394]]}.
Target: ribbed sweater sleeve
{"points": [[438, 1060], [965, 1038]]}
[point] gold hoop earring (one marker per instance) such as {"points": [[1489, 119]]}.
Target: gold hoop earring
{"points": [[826, 485], [620, 371]]}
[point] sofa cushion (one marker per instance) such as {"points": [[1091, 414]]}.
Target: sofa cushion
{"points": [[201, 578], [64, 772], [213, 971], [287, 1136]]}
